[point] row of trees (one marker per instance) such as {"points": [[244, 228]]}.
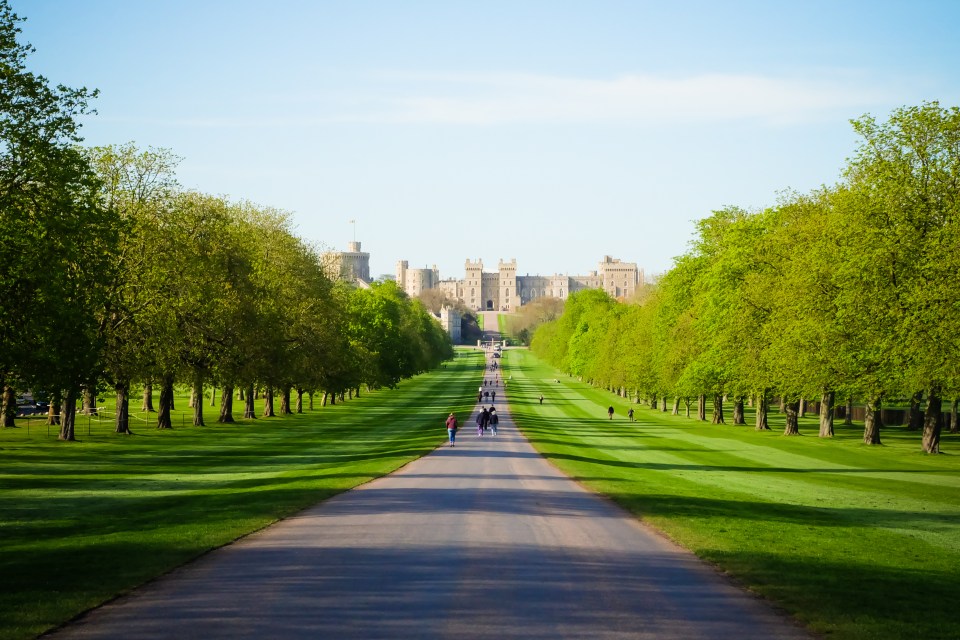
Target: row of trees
{"points": [[850, 291], [110, 273]]}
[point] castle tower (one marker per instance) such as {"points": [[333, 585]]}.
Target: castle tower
{"points": [[473, 284], [509, 300], [402, 266]]}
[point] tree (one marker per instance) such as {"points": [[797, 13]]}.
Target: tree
{"points": [[138, 186], [906, 173], [55, 237]]}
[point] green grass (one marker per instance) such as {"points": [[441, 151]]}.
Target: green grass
{"points": [[480, 320], [502, 326], [854, 541], [82, 522]]}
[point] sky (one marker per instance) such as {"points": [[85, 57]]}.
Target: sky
{"points": [[553, 132]]}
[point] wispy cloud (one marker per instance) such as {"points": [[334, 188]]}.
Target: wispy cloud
{"points": [[501, 99], [505, 99]]}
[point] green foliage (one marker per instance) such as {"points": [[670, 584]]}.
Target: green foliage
{"points": [[56, 238], [849, 289]]}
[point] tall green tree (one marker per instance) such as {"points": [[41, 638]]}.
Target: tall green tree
{"points": [[55, 237]]}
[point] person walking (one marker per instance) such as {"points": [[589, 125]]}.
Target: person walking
{"points": [[493, 396], [610, 412], [494, 420], [452, 427], [630, 414], [482, 418], [541, 398]]}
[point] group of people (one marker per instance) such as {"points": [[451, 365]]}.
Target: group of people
{"points": [[487, 419], [486, 393]]}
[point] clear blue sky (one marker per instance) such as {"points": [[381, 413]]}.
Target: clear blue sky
{"points": [[554, 132]]}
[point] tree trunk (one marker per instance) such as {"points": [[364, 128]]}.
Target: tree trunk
{"points": [[802, 412], [198, 401], [148, 398], [122, 422], [653, 402], [310, 396], [848, 419], [323, 401], [871, 420], [356, 393], [226, 405], [663, 404], [164, 419], [792, 409], [933, 421], [90, 400], [686, 402], [738, 411], [954, 428], [213, 397], [763, 407], [915, 416], [827, 399], [350, 394], [9, 406], [333, 399], [53, 414], [68, 415], [783, 404], [240, 394], [717, 416], [193, 398], [676, 406], [702, 407], [285, 401], [268, 402], [299, 400], [249, 413]]}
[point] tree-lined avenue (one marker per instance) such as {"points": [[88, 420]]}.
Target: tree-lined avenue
{"points": [[484, 540]]}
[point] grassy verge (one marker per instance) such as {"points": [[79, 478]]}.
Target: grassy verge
{"points": [[502, 326], [854, 541], [82, 522]]}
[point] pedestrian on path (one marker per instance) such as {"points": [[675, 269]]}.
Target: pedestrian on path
{"points": [[630, 414], [610, 412], [493, 396], [482, 418], [494, 420], [452, 427]]}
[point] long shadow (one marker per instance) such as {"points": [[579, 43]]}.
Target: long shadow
{"points": [[664, 466], [348, 591]]}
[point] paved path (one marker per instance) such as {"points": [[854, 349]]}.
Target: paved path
{"points": [[484, 540]]}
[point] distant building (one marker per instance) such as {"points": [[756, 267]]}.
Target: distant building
{"points": [[352, 265], [450, 321], [504, 290], [416, 281]]}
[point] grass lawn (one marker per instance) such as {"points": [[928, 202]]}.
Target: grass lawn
{"points": [[502, 326], [82, 522], [854, 541]]}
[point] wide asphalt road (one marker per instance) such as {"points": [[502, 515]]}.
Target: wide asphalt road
{"points": [[484, 540]]}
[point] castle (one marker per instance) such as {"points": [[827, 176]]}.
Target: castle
{"points": [[504, 290]]}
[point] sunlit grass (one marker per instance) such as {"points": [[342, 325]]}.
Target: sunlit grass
{"points": [[81, 522], [854, 541]]}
